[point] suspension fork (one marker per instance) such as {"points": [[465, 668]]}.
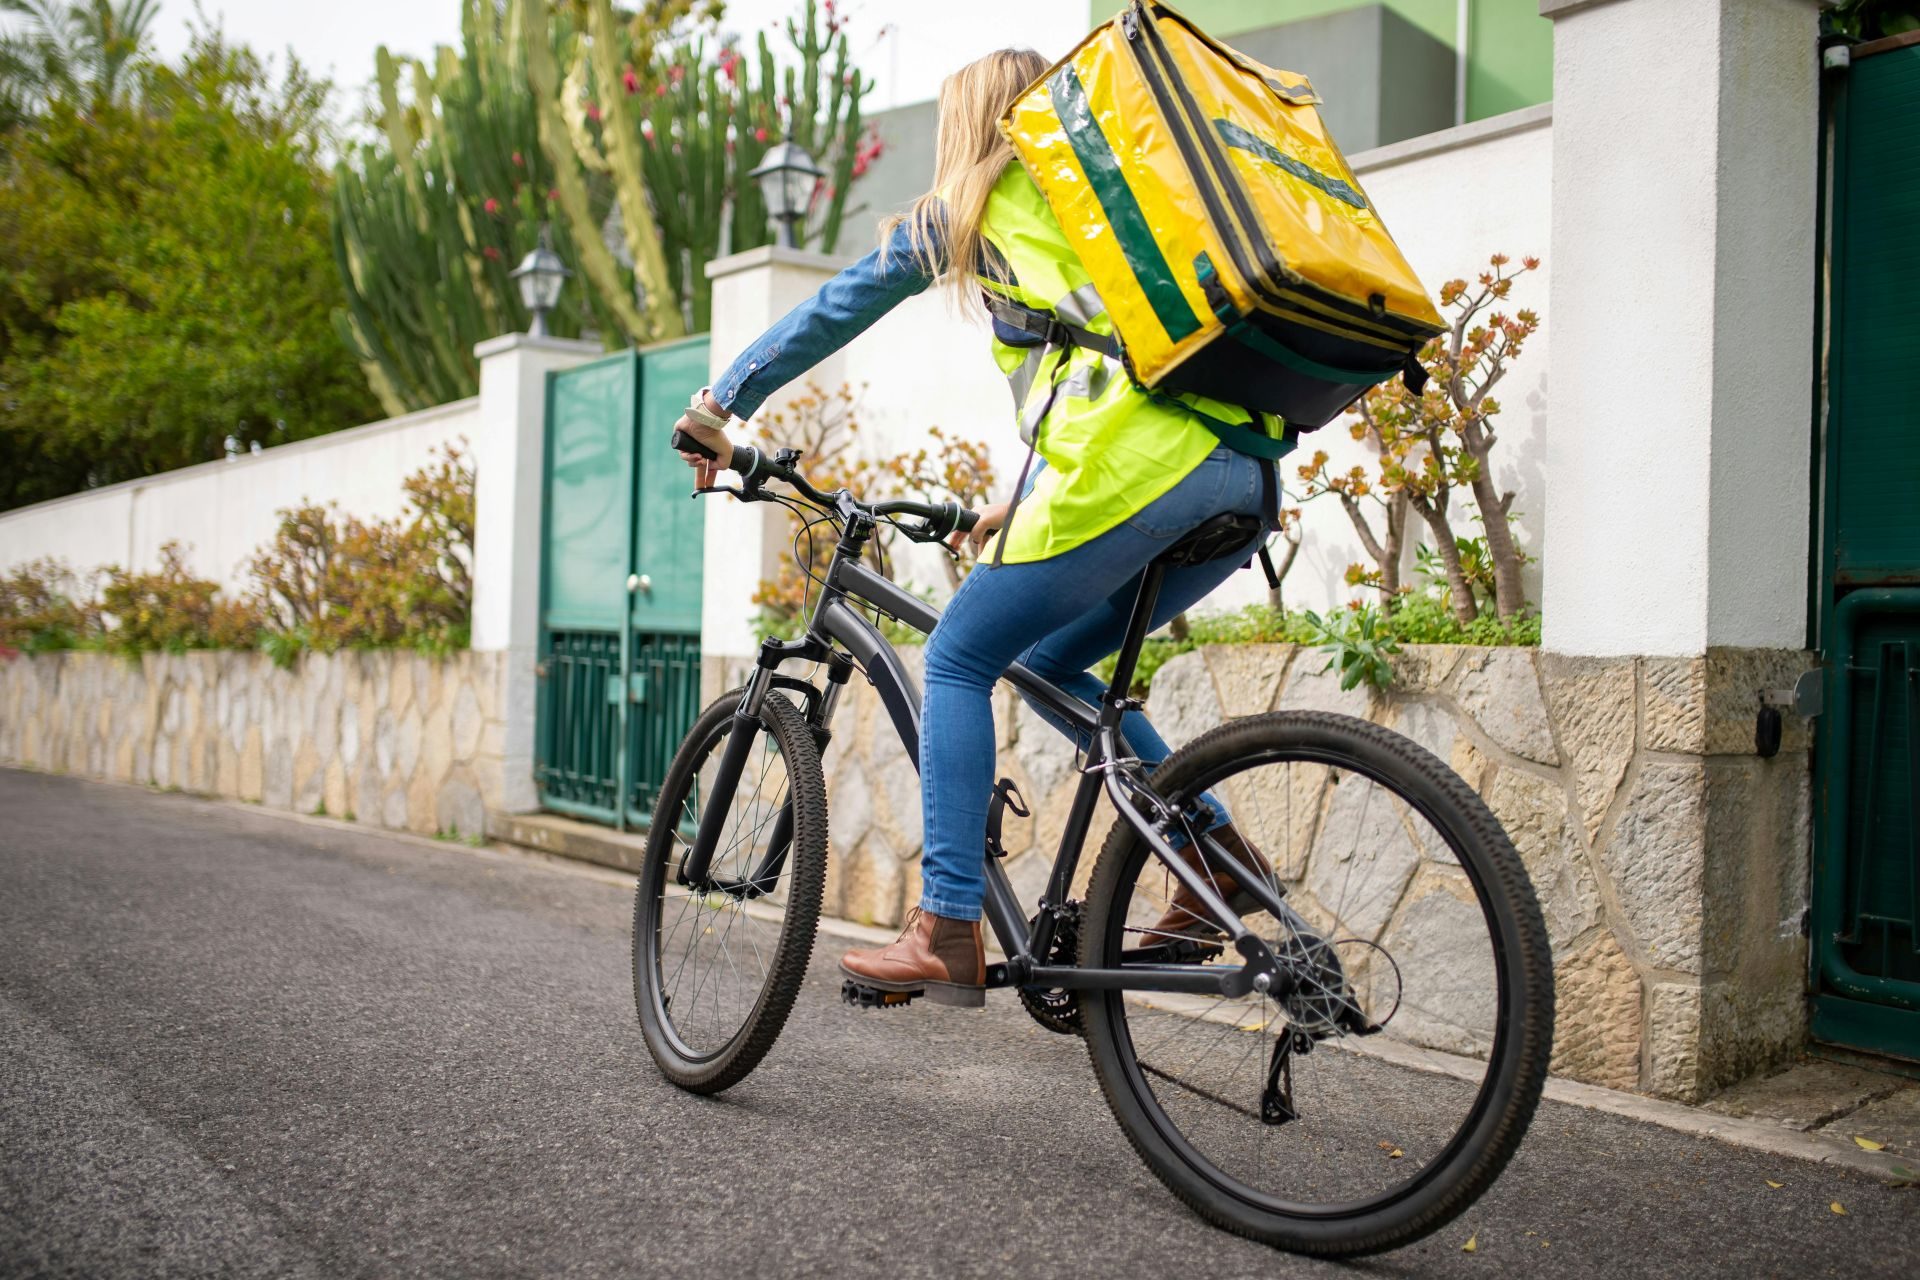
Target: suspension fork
{"points": [[695, 870]]}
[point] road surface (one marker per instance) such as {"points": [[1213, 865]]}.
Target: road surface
{"points": [[232, 1043]]}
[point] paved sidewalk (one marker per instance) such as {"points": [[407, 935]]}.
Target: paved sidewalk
{"points": [[235, 1044]]}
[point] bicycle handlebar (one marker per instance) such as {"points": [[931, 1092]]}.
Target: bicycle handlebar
{"points": [[942, 519]]}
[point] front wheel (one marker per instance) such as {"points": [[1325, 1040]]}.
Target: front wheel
{"points": [[717, 964], [1387, 1079]]}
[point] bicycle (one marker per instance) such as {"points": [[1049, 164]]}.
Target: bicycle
{"points": [[1328, 1072]]}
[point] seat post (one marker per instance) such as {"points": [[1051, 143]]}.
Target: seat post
{"points": [[1138, 624]]}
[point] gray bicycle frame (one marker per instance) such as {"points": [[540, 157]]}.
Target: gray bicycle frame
{"points": [[838, 631]]}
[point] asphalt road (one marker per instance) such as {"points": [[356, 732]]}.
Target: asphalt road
{"points": [[233, 1044]]}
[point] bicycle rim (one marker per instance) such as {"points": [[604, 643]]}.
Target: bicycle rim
{"points": [[1377, 1096], [716, 971]]}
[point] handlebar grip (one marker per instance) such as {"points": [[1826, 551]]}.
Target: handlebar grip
{"points": [[968, 519], [687, 444]]}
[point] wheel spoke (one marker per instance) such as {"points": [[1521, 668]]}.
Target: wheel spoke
{"points": [[1377, 1048], [716, 971]]}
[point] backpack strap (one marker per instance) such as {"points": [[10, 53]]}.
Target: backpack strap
{"points": [[1046, 328]]}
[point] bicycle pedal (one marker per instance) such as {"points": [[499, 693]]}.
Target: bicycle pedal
{"points": [[861, 996]]}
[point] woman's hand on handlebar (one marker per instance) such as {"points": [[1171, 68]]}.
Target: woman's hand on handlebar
{"points": [[713, 438], [992, 516]]}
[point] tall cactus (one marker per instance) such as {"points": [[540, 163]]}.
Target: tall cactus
{"points": [[643, 132]]}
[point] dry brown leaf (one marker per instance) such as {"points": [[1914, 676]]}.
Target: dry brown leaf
{"points": [[1838, 1208], [1868, 1144], [1385, 1146], [1473, 1242]]}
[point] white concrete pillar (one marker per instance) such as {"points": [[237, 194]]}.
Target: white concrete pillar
{"points": [[747, 542], [1680, 374], [508, 457]]}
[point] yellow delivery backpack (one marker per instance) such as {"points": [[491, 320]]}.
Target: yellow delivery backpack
{"points": [[1232, 247]]}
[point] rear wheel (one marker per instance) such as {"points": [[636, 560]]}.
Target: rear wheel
{"points": [[716, 970], [1391, 1074]]}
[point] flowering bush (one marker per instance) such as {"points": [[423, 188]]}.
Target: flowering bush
{"points": [[825, 428], [41, 608], [1430, 446]]}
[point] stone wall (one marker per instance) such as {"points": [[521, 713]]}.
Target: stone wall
{"points": [[1670, 859], [394, 739]]}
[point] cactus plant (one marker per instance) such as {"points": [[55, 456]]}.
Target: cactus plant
{"points": [[686, 128], [617, 130]]}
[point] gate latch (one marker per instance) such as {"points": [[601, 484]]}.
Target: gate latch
{"points": [[636, 688]]}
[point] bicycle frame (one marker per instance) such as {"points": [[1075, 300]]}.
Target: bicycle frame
{"points": [[839, 637]]}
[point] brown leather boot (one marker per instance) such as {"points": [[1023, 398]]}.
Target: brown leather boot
{"points": [[944, 959], [1185, 917]]}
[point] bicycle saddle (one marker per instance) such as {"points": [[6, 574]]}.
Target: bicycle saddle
{"points": [[1222, 535]]}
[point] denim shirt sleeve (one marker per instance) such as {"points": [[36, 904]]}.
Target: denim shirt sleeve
{"points": [[844, 308]]}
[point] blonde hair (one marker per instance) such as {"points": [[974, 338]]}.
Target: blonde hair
{"points": [[943, 226]]}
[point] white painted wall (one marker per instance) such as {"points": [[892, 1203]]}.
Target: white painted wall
{"points": [[226, 510], [1682, 301], [1451, 199]]}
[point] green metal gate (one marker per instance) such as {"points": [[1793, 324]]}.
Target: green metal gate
{"points": [[1866, 891], [620, 584]]}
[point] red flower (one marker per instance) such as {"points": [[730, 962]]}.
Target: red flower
{"points": [[593, 111], [759, 135], [646, 130], [659, 91], [729, 65], [518, 162], [676, 73], [630, 80], [860, 167], [491, 206], [492, 253], [553, 193]]}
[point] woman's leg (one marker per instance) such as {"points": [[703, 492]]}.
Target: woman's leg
{"points": [[1064, 656], [999, 614]]}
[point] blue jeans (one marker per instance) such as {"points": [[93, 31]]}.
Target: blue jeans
{"points": [[1058, 616]]}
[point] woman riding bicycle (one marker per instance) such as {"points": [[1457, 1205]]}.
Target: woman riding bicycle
{"points": [[1123, 476]]}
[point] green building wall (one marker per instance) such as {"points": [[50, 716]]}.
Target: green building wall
{"points": [[1509, 45]]}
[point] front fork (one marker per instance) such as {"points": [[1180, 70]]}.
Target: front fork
{"points": [[696, 869]]}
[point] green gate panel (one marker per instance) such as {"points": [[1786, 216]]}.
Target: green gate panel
{"points": [[1866, 882], [578, 768], [667, 669], [1875, 450], [667, 543], [590, 491], [1868, 928], [621, 577]]}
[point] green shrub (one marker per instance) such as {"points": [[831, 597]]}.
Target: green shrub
{"points": [[324, 582], [1359, 644], [171, 611], [41, 608]]}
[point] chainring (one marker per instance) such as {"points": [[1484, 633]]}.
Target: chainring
{"points": [[1058, 1011]]}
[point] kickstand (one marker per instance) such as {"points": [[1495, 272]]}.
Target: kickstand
{"points": [[1276, 1100]]}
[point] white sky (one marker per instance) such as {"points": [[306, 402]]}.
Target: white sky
{"points": [[906, 46]]}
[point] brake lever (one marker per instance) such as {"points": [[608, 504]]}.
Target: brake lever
{"points": [[720, 488]]}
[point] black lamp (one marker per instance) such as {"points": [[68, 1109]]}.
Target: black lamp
{"points": [[787, 176], [540, 277]]}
